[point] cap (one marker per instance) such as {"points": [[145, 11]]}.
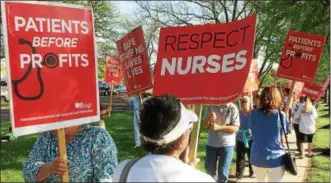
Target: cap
{"points": [[185, 122]]}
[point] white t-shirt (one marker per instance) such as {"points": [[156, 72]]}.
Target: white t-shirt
{"points": [[295, 113], [161, 168], [307, 120]]}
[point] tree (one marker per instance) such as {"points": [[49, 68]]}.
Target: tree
{"points": [[277, 17]]}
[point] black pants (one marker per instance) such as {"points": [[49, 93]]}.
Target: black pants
{"points": [[240, 163], [297, 135]]}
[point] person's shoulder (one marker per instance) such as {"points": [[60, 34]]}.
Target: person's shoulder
{"points": [[194, 175], [282, 113], [118, 170], [233, 106], [255, 111], [46, 135], [97, 132]]}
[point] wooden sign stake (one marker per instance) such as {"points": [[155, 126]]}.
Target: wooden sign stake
{"points": [[62, 149], [195, 134], [289, 102], [110, 100], [251, 99], [140, 99]]}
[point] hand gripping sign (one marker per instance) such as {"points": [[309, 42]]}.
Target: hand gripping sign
{"points": [[300, 56], [51, 65], [134, 61], [113, 71], [205, 64]]}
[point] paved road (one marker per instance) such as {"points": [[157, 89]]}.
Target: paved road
{"points": [[117, 106]]}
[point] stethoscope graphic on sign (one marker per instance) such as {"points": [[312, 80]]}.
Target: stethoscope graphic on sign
{"points": [[50, 60], [289, 58]]}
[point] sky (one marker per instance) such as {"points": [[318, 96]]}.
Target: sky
{"points": [[126, 7]]}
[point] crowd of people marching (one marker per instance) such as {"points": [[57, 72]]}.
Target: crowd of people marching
{"points": [[164, 128]]}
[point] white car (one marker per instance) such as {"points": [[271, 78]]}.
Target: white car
{"points": [[120, 89]]}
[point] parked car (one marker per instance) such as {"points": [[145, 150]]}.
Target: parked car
{"points": [[104, 88], [121, 89]]}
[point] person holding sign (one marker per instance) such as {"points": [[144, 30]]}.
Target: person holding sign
{"points": [[267, 149], [92, 156], [244, 140], [223, 123], [307, 120], [165, 126]]}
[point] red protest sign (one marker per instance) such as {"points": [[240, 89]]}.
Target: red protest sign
{"points": [[300, 56], [252, 83], [205, 64], [51, 58], [134, 61], [113, 71], [312, 90]]}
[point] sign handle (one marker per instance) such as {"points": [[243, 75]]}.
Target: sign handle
{"points": [[140, 99], [194, 139], [110, 99], [62, 149], [251, 98], [289, 102]]}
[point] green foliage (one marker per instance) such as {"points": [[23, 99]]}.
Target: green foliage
{"points": [[276, 18]]}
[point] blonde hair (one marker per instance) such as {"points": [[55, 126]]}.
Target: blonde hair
{"points": [[309, 104]]}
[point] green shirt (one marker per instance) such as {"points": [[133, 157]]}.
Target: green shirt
{"points": [[11, 136]]}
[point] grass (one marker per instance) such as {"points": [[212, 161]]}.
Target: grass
{"points": [[320, 171], [119, 126]]}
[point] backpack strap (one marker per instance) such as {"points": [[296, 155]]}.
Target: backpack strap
{"points": [[126, 170], [282, 123]]}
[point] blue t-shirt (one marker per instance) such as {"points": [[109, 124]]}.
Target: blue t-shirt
{"points": [[266, 130], [244, 128]]}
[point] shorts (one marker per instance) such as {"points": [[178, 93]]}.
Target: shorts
{"points": [[306, 138]]}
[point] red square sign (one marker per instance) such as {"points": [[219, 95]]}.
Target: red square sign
{"points": [[51, 65], [206, 64], [300, 56], [134, 61]]}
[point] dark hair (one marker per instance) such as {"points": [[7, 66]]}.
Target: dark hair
{"points": [[270, 99], [10, 129], [158, 116], [302, 98]]}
